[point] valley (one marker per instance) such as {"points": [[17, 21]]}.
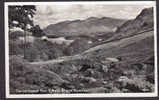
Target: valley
{"points": [[95, 55]]}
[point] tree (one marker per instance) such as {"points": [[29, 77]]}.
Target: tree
{"points": [[37, 31], [21, 16]]}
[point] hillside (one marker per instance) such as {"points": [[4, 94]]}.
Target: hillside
{"points": [[137, 47], [90, 27], [90, 71], [141, 24], [127, 48], [134, 40], [144, 21]]}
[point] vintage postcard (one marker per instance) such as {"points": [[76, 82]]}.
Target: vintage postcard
{"points": [[81, 49]]}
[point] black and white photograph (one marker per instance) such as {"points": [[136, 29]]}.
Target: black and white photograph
{"points": [[80, 49]]}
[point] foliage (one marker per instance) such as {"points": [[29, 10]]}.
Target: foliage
{"points": [[43, 50], [38, 50], [24, 76], [119, 78], [78, 46], [15, 35], [22, 15], [37, 31], [15, 47]]}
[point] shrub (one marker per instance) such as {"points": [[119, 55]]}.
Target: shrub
{"points": [[78, 46], [14, 47], [43, 50], [24, 76], [14, 35], [32, 54]]}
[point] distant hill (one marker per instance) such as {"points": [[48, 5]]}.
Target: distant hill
{"points": [[90, 27]]}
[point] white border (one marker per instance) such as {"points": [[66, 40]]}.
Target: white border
{"points": [[99, 95]]}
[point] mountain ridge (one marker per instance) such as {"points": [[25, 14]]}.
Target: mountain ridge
{"points": [[89, 26], [143, 21]]}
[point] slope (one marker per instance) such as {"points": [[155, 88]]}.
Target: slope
{"points": [[89, 27], [144, 21]]}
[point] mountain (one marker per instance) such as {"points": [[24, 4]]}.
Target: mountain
{"points": [[140, 25], [144, 21], [133, 42], [90, 27]]}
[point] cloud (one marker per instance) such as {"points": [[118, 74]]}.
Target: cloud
{"points": [[51, 14]]}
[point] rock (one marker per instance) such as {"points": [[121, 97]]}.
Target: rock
{"points": [[81, 85], [123, 78], [105, 68], [89, 72], [91, 80], [125, 90], [105, 82], [112, 59]]}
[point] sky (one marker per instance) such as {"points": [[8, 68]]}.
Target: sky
{"points": [[54, 13]]}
